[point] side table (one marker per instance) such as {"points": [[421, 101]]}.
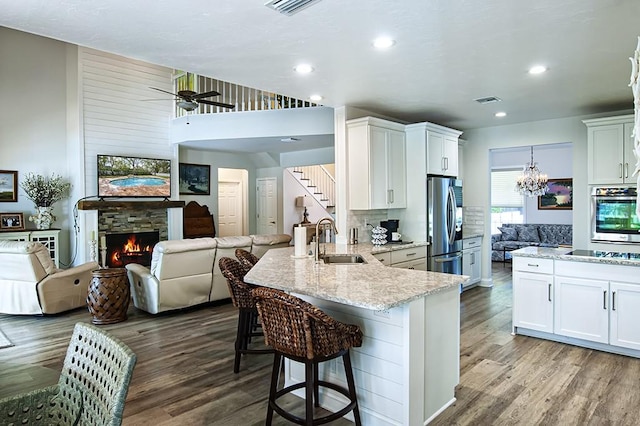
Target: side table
{"points": [[109, 295]]}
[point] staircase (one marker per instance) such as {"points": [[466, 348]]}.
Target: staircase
{"points": [[319, 183]]}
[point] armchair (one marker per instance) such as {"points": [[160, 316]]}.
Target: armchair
{"points": [[92, 388], [30, 284]]}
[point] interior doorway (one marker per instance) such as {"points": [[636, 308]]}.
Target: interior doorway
{"points": [[233, 203], [266, 205]]}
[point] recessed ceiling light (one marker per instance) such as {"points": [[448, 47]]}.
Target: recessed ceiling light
{"points": [[383, 43], [500, 114], [315, 98], [303, 68], [538, 69]]}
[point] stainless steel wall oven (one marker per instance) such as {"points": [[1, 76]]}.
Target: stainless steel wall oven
{"points": [[613, 215]]}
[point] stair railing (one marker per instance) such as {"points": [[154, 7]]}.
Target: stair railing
{"points": [[320, 183]]}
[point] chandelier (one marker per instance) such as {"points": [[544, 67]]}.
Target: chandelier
{"points": [[532, 183]]}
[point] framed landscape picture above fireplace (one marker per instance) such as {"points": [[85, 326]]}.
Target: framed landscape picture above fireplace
{"points": [[558, 197], [195, 179]]}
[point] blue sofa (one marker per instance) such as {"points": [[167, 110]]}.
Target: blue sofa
{"points": [[514, 236]]}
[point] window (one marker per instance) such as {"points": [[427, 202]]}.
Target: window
{"points": [[507, 205]]}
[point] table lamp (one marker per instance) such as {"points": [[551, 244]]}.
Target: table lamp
{"points": [[304, 201]]}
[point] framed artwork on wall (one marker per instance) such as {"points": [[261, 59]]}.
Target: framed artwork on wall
{"points": [[195, 179], [559, 196], [8, 186], [11, 221]]}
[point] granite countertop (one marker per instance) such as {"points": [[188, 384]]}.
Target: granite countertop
{"points": [[370, 286], [560, 253], [390, 246]]}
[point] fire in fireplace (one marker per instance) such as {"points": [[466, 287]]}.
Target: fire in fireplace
{"points": [[130, 247]]}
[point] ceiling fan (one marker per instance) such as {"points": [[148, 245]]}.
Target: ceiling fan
{"points": [[189, 100]]}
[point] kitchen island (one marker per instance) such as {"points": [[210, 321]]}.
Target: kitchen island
{"points": [[408, 365], [581, 297]]}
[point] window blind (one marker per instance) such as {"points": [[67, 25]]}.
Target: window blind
{"points": [[503, 193]]}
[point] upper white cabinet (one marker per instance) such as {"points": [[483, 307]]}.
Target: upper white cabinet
{"points": [[441, 147], [377, 164], [610, 155]]}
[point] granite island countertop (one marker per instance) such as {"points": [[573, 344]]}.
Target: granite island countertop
{"points": [[560, 253], [370, 286], [391, 246]]}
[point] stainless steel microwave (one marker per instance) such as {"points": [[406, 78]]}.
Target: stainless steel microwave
{"points": [[613, 215]]}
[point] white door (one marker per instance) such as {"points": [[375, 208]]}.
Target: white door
{"points": [[532, 302], [625, 311], [581, 309], [266, 205], [229, 209]]}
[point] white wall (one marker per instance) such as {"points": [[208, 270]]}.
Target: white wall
{"points": [[33, 119], [223, 160]]}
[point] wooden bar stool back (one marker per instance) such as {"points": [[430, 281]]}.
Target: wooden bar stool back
{"points": [[301, 332], [242, 299], [248, 260]]}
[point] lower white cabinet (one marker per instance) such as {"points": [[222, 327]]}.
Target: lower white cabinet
{"points": [[532, 296], [581, 309], [408, 258], [566, 300], [624, 329], [472, 260]]}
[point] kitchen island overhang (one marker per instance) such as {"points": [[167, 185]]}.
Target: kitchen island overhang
{"points": [[408, 367]]}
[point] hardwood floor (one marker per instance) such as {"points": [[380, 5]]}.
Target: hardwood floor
{"points": [[185, 359]]}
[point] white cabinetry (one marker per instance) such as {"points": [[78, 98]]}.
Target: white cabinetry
{"points": [[595, 305], [472, 260], [581, 309], [533, 294], [610, 150], [47, 237], [377, 164], [442, 147], [624, 315], [409, 258], [598, 304]]}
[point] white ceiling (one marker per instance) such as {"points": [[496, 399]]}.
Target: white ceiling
{"points": [[447, 52]]}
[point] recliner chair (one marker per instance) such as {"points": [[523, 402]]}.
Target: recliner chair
{"points": [[30, 284]]}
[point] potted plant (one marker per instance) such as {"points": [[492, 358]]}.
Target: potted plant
{"points": [[44, 191]]}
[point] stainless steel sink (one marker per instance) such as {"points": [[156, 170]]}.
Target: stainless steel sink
{"points": [[345, 259]]}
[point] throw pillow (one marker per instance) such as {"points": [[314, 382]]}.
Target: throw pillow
{"points": [[508, 234], [528, 233]]}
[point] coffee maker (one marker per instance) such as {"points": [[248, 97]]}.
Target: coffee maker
{"points": [[391, 225]]}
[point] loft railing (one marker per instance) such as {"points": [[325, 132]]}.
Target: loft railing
{"points": [[244, 98]]}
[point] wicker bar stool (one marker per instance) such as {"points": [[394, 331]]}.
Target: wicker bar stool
{"points": [[242, 299], [248, 260], [301, 332]]}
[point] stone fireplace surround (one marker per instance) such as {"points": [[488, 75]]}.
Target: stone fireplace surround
{"points": [[98, 218]]}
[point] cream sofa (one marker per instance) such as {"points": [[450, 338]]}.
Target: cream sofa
{"points": [[185, 272], [31, 284]]}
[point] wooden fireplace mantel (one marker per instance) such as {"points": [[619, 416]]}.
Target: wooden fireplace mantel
{"points": [[128, 205]]}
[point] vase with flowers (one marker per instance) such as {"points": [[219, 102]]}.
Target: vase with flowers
{"points": [[44, 191]]}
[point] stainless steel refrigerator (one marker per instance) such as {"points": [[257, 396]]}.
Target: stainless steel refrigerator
{"points": [[444, 224]]}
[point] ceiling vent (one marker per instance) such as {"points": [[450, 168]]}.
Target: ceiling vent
{"points": [[488, 100], [289, 7]]}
